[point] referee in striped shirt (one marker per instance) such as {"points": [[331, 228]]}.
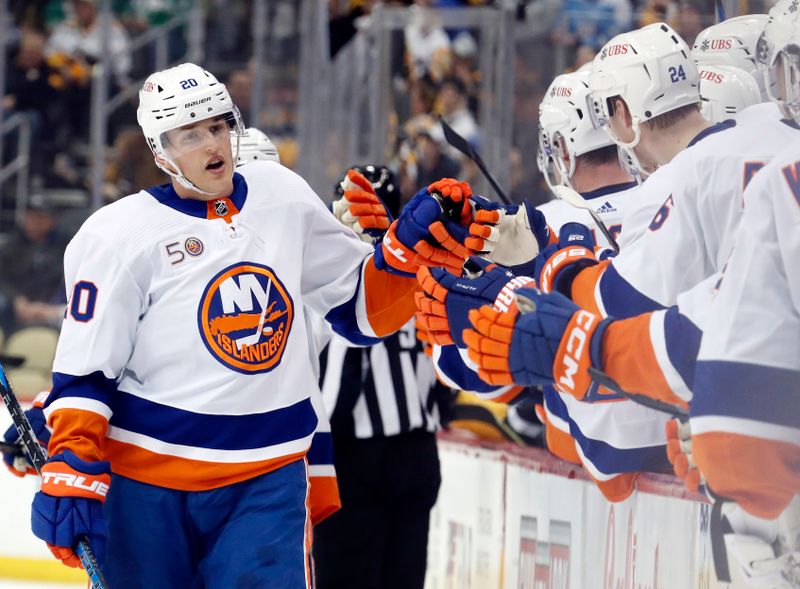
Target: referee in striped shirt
{"points": [[382, 403]]}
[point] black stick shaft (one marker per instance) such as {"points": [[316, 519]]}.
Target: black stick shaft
{"points": [[462, 145]]}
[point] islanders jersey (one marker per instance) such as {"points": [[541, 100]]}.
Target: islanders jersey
{"points": [[697, 199], [745, 414], [609, 203], [184, 355]]}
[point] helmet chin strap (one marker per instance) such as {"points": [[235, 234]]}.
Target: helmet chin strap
{"points": [[183, 180], [637, 170]]}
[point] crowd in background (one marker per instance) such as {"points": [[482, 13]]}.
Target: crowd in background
{"points": [[434, 73]]}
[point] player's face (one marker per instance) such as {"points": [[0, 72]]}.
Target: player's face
{"points": [[203, 153]]}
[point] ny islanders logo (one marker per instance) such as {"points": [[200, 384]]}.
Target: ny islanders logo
{"points": [[244, 318]]}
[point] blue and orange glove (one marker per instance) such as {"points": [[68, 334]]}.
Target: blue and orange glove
{"points": [[21, 465], [510, 235], [542, 339], [558, 264], [361, 209], [445, 301], [429, 232], [70, 506]]}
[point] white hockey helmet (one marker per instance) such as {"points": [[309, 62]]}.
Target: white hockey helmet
{"points": [[780, 45], [254, 145], [179, 96], [732, 42], [565, 127], [725, 91], [652, 70]]}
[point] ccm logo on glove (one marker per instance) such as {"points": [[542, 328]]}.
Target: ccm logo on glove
{"points": [[583, 322]]}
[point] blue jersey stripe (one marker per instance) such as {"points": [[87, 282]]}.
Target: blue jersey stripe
{"points": [[683, 344], [622, 300], [321, 450], [750, 391], [218, 432], [90, 386], [451, 364], [606, 458], [343, 320]]}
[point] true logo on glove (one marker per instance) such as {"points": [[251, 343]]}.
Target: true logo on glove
{"points": [[397, 252], [78, 482], [576, 344]]}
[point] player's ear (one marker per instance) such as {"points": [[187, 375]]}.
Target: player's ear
{"points": [[161, 162], [621, 110]]}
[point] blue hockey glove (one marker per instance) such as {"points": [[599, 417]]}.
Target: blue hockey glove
{"points": [[424, 236], [70, 506], [21, 465], [446, 300], [510, 235], [558, 264], [543, 339]]}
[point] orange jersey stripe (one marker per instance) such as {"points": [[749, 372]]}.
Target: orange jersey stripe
{"points": [[629, 358], [617, 488], [761, 475], [184, 474], [389, 298], [324, 499], [83, 432], [560, 443], [585, 285]]}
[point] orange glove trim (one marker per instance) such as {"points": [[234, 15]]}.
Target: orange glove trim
{"points": [[66, 555], [560, 259], [573, 357], [61, 480]]}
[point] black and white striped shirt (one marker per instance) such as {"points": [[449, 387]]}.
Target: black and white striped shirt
{"points": [[383, 390]]}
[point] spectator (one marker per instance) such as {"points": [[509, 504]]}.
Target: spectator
{"points": [[452, 103], [130, 166], [465, 66], [591, 22], [32, 269], [427, 44], [79, 39], [240, 87], [28, 88]]}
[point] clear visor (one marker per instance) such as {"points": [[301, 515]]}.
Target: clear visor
{"points": [[210, 133]]}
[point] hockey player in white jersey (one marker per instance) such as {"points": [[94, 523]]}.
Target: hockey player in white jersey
{"points": [[183, 363], [254, 145], [726, 91], [732, 43]]}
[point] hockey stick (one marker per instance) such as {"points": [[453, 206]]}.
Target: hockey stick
{"points": [[38, 457], [10, 449], [462, 145], [602, 379], [572, 197]]}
